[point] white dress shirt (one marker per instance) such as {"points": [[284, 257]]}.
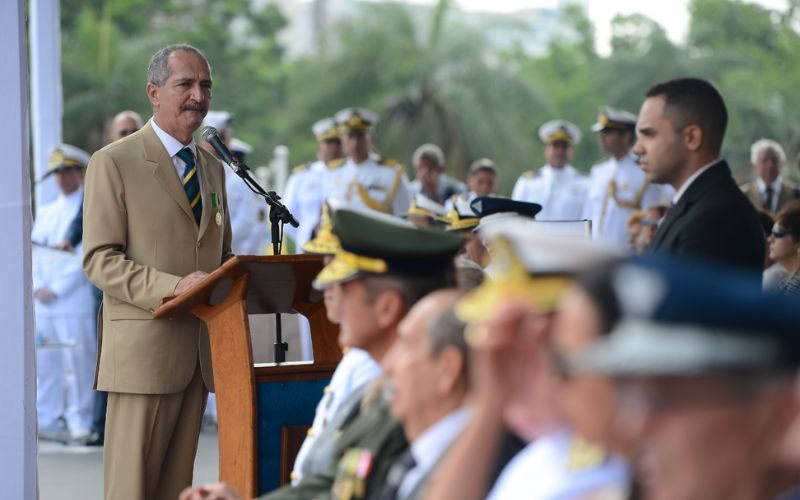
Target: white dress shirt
{"points": [[429, 447]]}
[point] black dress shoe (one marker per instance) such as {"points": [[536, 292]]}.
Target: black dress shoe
{"points": [[95, 439]]}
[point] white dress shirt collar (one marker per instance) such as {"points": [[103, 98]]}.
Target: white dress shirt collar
{"points": [[688, 182], [776, 185], [171, 144]]}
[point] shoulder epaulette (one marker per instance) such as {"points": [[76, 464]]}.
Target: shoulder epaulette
{"points": [[529, 174], [335, 163], [601, 160], [390, 162], [300, 168]]}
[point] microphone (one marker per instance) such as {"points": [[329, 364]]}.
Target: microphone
{"points": [[211, 136]]}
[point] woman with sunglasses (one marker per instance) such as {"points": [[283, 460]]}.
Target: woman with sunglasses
{"points": [[784, 247]]}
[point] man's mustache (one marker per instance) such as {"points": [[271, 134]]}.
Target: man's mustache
{"points": [[194, 106]]}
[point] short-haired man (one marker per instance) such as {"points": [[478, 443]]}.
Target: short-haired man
{"points": [[481, 181], [770, 191], [304, 193], [432, 181], [124, 124], [156, 222], [705, 394], [618, 186], [558, 187], [681, 127]]}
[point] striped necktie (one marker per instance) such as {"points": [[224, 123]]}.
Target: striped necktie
{"points": [[191, 184]]}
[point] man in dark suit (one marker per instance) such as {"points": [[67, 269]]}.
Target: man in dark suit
{"points": [[681, 127]]}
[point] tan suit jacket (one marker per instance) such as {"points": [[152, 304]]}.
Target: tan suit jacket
{"points": [[140, 239], [789, 191]]}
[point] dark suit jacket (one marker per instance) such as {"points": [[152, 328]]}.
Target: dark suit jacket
{"points": [[713, 220]]}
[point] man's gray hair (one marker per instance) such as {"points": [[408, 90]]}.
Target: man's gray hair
{"points": [[429, 152], [764, 144], [158, 71], [446, 330]]}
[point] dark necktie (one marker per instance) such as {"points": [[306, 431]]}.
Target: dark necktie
{"points": [[396, 475], [191, 184], [768, 201]]}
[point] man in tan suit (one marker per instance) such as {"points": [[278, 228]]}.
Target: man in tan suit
{"points": [[769, 191], [155, 222]]}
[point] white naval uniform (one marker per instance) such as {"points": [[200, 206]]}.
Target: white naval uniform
{"points": [[303, 197], [609, 219], [385, 185], [560, 191], [550, 468], [248, 212], [355, 370], [66, 327]]}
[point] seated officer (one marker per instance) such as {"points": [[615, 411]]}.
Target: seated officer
{"points": [[355, 370], [516, 385], [705, 366], [384, 266], [366, 180], [557, 186], [481, 181]]}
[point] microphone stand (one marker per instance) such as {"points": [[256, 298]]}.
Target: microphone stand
{"points": [[278, 215]]}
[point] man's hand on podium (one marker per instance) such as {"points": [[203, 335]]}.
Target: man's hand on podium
{"points": [[216, 491], [189, 281]]}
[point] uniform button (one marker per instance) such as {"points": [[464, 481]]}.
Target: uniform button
{"points": [[310, 432], [326, 390], [293, 476]]}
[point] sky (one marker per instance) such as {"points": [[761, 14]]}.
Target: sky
{"points": [[672, 15]]}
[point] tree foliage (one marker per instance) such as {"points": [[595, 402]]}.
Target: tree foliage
{"points": [[432, 76]]}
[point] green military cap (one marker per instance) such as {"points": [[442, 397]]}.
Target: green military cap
{"points": [[325, 129], [560, 131], [356, 120], [64, 156], [531, 264], [614, 119], [378, 244]]}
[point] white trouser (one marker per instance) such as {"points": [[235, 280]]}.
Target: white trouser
{"points": [[65, 371]]}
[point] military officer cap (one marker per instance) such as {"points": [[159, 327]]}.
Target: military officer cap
{"points": [[324, 242], [378, 244], [220, 120], [681, 318], [491, 208], [356, 120], [325, 130], [530, 264], [483, 164], [460, 218], [424, 207], [560, 131], [614, 119], [64, 156]]}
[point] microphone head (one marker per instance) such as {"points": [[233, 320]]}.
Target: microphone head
{"points": [[209, 133]]}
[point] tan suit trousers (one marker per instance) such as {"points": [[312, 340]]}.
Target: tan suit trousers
{"points": [[151, 442]]}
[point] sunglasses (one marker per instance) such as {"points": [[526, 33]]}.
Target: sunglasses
{"points": [[778, 233], [127, 132]]}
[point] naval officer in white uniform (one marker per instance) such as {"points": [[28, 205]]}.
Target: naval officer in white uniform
{"points": [[305, 189], [558, 187], [64, 307], [618, 186], [366, 180]]}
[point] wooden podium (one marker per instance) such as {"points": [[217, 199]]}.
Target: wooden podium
{"points": [[259, 285]]}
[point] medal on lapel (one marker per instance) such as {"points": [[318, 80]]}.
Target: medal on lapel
{"points": [[215, 204]]}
